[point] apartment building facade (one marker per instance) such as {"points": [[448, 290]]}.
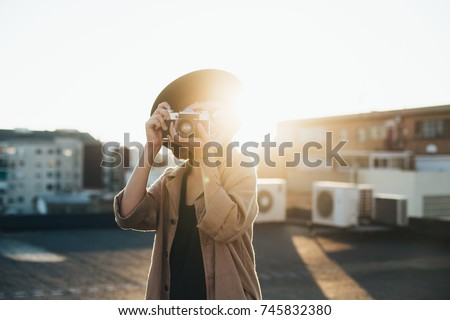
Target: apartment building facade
{"points": [[36, 164]]}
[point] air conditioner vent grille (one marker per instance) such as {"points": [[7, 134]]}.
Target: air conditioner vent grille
{"points": [[325, 204], [436, 206], [365, 203], [391, 210]]}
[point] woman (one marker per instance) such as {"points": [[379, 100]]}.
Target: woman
{"points": [[203, 214]]}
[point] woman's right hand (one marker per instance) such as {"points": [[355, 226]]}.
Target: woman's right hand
{"points": [[135, 189], [155, 126]]}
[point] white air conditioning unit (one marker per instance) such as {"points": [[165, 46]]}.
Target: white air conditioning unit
{"points": [[271, 200], [335, 204], [391, 209]]}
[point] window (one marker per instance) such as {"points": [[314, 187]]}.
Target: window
{"points": [[11, 151], [3, 163], [3, 175], [51, 163], [68, 152], [433, 129], [362, 135], [375, 133]]}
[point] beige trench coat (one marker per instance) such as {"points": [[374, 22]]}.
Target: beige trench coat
{"points": [[225, 228]]}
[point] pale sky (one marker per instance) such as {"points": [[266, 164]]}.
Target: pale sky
{"points": [[97, 66]]}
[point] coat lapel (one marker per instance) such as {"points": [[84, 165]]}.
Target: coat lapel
{"points": [[173, 188]]}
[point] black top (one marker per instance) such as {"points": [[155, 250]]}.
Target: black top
{"points": [[187, 274]]}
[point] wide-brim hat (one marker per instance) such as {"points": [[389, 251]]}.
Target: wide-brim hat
{"points": [[199, 86]]}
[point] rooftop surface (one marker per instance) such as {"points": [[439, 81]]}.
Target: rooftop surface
{"points": [[293, 262]]}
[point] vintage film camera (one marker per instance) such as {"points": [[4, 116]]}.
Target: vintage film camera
{"points": [[186, 123]]}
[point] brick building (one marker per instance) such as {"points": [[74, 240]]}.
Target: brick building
{"points": [[407, 139]]}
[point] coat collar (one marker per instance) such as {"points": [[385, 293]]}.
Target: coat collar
{"points": [[173, 185], [175, 177]]}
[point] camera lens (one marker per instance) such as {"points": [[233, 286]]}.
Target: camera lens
{"points": [[185, 128]]}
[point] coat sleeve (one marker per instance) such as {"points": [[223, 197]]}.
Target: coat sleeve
{"points": [[231, 206], [144, 217]]}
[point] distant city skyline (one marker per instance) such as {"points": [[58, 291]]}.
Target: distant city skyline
{"points": [[97, 66]]}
